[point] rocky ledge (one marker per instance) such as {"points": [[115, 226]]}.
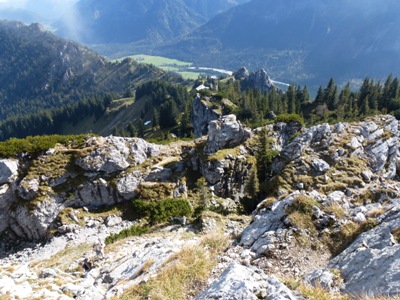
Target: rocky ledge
{"points": [[330, 223]]}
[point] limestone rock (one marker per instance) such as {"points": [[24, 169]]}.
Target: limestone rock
{"points": [[32, 222], [259, 80], [320, 165], [94, 194], [7, 198], [225, 132], [8, 170], [241, 282], [227, 176], [371, 264], [324, 278], [241, 74], [112, 220], [202, 115], [159, 174], [28, 188], [256, 235], [127, 185], [112, 154]]}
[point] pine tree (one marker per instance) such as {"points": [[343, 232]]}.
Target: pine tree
{"points": [[252, 188], [330, 95]]}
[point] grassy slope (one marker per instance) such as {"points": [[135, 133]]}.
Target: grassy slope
{"points": [[121, 111], [166, 64]]}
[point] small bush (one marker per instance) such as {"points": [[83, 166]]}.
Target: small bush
{"points": [[287, 118], [36, 144], [302, 204], [135, 230], [163, 210]]}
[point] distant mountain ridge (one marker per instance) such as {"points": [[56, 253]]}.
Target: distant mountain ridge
{"points": [[144, 22], [299, 41]]}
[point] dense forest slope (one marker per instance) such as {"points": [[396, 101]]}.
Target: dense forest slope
{"points": [[299, 41], [39, 70]]}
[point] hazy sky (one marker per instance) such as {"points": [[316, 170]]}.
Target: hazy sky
{"points": [[46, 8]]}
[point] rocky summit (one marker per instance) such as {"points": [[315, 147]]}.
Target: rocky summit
{"points": [[122, 218]]}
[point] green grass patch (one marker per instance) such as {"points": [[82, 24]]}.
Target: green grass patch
{"points": [[167, 64]]}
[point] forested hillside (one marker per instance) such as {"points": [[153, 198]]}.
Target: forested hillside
{"points": [[41, 71]]}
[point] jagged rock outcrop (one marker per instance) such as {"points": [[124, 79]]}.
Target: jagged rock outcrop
{"points": [[112, 154], [202, 115], [241, 282], [241, 74], [371, 264], [226, 132], [261, 234], [259, 80], [8, 170], [45, 192], [341, 153], [32, 221]]}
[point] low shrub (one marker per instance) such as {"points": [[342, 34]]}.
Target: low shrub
{"points": [[135, 230], [36, 144], [287, 118], [302, 204], [162, 210]]}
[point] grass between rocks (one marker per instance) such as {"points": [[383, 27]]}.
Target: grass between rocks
{"points": [[63, 259], [184, 274], [300, 214]]}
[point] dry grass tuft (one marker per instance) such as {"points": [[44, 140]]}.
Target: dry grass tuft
{"points": [[184, 274], [319, 293], [335, 209]]}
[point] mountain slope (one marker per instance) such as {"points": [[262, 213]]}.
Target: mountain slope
{"points": [[128, 21], [39, 70], [299, 41]]}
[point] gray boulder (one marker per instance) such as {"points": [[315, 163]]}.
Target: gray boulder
{"points": [[257, 236], [8, 170], [127, 185], [320, 165], [225, 132], [227, 176], [238, 282], [32, 222], [28, 188]]}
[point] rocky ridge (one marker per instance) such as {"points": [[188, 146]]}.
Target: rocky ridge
{"points": [[332, 220]]}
